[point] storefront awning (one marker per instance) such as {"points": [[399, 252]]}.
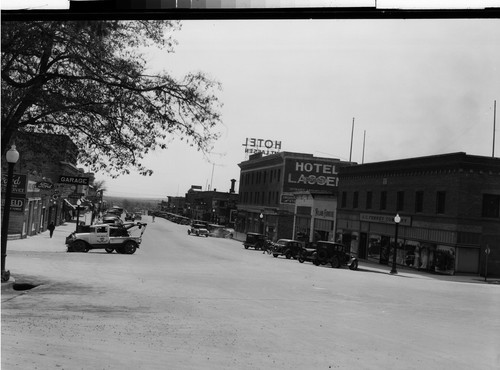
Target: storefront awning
{"points": [[69, 204]]}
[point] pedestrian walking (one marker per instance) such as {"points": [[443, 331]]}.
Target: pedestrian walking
{"points": [[51, 228], [153, 218]]}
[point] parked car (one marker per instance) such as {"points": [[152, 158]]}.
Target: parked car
{"points": [[106, 236], [198, 230], [255, 240], [220, 231], [332, 253], [307, 253], [286, 247], [112, 219]]}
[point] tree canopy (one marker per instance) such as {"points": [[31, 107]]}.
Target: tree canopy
{"points": [[89, 80]]}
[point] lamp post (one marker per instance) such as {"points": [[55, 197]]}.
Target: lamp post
{"points": [[12, 158], [261, 217], [397, 220], [78, 202]]}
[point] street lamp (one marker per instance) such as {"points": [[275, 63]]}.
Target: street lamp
{"points": [[397, 220], [78, 202], [12, 158], [261, 216]]}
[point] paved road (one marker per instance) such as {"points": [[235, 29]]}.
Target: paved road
{"points": [[186, 302]]}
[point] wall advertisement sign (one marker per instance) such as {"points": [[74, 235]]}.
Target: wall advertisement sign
{"points": [[384, 218], [310, 174], [18, 184], [16, 204]]}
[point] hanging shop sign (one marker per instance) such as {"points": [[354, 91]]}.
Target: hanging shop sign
{"points": [[44, 185], [310, 174], [73, 180], [264, 146], [18, 184]]}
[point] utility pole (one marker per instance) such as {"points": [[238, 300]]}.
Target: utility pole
{"points": [[364, 139], [494, 124], [352, 134]]}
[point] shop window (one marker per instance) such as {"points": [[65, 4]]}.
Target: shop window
{"points": [[344, 199], [419, 201], [400, 201], [355, 199], [383, 200], [491, 205], [369, 196], [440, 202]]}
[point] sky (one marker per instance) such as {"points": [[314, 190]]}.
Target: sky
{"points": [[412, 88]]}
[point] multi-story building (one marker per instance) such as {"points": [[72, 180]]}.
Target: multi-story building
{"points": [[448, 207], [268, 188], [213, 206]]}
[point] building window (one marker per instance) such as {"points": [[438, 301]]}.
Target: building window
{"points": [[355, 199], [419, 201], [279, 174], [491, 205], [383, 200], [344, 199], [440, 202], [400, 201], [369, 196]]}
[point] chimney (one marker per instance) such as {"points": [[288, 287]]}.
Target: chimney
{"points": [[233, 181]]}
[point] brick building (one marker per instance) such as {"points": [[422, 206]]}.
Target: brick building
{"points": [[42, 158], [448, 204], [212, 206], [268, 185]]}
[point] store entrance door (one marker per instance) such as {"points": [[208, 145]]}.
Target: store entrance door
{"points": [[363, 243]]}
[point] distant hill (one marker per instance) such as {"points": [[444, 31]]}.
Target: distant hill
{"points": [[132, 204]]}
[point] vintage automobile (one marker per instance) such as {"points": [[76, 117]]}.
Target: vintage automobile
{"points": [[220, 231], [307, 253], [286, 247], [112, 219], [198, 230], [325, 252], [129, 217], [256, 241], [105, 236]]}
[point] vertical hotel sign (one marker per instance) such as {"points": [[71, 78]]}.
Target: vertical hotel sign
{"points": [[18, 196]]}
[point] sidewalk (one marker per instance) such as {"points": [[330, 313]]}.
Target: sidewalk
{"points": [[365, 265]]}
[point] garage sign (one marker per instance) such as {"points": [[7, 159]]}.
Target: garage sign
{"points": [[73, 180]]}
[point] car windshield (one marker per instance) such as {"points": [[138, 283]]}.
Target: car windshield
{"points": [[253, 237]]}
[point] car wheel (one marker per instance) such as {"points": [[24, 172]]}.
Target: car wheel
{"points": [[206, 235], [119, 250], [246, 246], [109, 250], [80, 246], [335, 262], [129, 247], [288, 255], [301, 259], [316, 262], [275, 255], [353, 265], [189, 232]]}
